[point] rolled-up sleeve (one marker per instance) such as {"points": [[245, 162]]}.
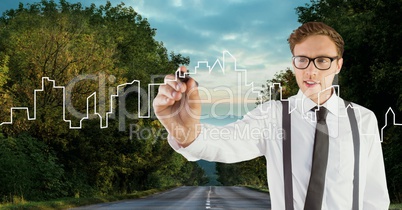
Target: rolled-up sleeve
{"points": [[239, 141]]}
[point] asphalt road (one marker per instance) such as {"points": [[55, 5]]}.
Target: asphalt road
{"points": [[194, 198]]}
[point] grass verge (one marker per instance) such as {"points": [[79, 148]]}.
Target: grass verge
{"points": [[395, 206], [65, 203], [261, 189]]}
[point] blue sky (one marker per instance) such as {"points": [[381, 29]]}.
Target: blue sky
{"points": [[255, 33]]}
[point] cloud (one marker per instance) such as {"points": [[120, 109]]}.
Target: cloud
{"points": [[254, 31], [254, 27]]}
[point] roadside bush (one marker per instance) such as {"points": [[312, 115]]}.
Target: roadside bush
{"points": [[29, 170]]}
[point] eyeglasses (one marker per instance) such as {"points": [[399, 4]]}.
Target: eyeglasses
{"points": [[321, 63]]}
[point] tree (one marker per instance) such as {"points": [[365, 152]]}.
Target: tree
{"points": [[96, 49], [392, 159], [29, 170], [38, 46], [370, 30], [372, 68], [251, 173], [287, 82]]}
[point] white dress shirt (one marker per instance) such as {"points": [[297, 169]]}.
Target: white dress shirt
{"points": [[259, 133]]}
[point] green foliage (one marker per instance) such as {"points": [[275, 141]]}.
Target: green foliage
{"points": [[372, 58], [67, 203], [4, 69], [65, 42], [252, 173], [29, 169], [392, 148], [210, 172], [372, 70], [288, 83]]}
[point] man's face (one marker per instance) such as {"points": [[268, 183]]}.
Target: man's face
{"points": [[311, 80]]}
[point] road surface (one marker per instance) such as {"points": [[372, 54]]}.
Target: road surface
{"points": [[194, 198]]}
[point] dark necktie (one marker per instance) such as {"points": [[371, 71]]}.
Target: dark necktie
{"points": [[315, 189]]}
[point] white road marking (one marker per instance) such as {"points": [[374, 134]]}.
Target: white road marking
{"points": [[208, 203]]}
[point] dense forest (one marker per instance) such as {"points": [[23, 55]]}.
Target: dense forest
{"points": [[95, 48], [89, 49], [371, 76], [372, 70]]}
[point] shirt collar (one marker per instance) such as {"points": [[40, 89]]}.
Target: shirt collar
{"points": [[305, 104]]}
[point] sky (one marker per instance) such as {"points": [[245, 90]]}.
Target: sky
{"points": [[250, 34]]}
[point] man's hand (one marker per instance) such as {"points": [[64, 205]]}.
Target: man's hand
{"points": [[178, 108]]}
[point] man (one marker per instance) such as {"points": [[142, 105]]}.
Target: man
{"points": [[317, 57]]}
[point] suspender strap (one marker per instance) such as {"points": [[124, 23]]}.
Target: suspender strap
{"points": [[287, 158], [356, 147]]}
